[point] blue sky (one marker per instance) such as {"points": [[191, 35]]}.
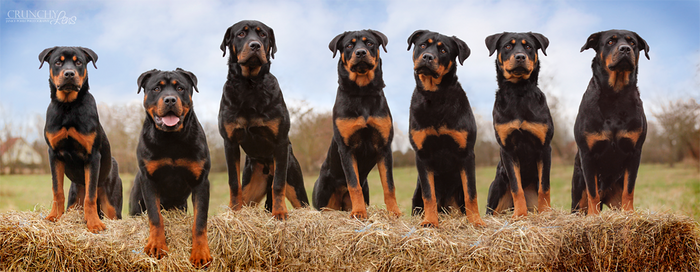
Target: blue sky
{"points": [[131, 37]]}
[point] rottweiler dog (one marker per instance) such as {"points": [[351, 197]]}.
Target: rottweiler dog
{"points": [[442, 129], [362, 128], [173, 160], [78, 146], [523, 126], [611, 127], [253, 116]]}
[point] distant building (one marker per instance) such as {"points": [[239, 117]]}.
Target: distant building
{"points": [[17, 156]]}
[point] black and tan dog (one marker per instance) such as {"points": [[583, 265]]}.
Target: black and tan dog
{"points": [[611, 126], [523, 126], [253, 116], [173, 160], [78, 146], [442, 128], [362, 128]]}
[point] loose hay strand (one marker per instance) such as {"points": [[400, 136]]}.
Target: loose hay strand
{"points": [[309, 240]]}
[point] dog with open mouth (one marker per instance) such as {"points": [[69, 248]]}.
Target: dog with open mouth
{"points": [[173, 159]]}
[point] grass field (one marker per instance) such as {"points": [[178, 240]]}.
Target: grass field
{"points": [[659, 188]]}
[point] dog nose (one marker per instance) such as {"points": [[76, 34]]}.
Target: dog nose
{"points": [[254, 45], [625, 49], [428, 57], [69, 73], [360, 53], [520, 57], [170, 100]]}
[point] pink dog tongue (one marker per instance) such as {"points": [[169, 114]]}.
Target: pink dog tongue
{"points": [[170, 120]]}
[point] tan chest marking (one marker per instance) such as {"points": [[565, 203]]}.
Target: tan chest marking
{"points": [[196, 167], [85, 140], [242, 123], [348, 126], [537, 129], [459, 136]]}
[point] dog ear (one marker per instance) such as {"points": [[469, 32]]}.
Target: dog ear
{"points": [[492, 42], [92, 56], [190, 76], [143, 78], [412, 39], [273, 46], [592, 41], [464, 50], [542, 42], [383, 40], [44, 55], [642, 45], [228, 36], [334, 46]]}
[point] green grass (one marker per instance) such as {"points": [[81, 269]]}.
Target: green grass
{"points": [[659, 188]]}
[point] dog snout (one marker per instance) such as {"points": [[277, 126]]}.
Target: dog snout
{"points": [[360, 53], [69, 73], [624, 49], [255, 45], [170, 101], [428, 57], [520, 57]]}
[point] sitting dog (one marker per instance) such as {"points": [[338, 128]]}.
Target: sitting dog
{"points": [[362, 128], [611, 126], [78, 146], [442, 129], [523, 126], [253, 116], [173, 160]]}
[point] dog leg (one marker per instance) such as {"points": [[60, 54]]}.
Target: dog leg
{"points": [[471, 208], [58, 169], [200, 255], [384, 166], [94, 224]]}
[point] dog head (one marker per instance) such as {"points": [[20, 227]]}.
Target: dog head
{"points": [[434, 55], [167, 97], [67, 70], [252, 45], [517, 54], [617, 53], [359, 55]]}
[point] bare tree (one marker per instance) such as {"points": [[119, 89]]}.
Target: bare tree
{"points": [[680, 122], [311, 134], [122, 124]]}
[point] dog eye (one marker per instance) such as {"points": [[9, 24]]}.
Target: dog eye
{"points": [[610, 42], [241, 34], [443, 51], [349, 46], [370, 44], [632, 43], [78, 63], [156, 89], [528, 47], [262, 35], [58, 63], [180, 89], [508, 46], [422, 46]]}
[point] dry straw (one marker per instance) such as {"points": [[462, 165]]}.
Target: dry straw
{"points": [[330, 241]]}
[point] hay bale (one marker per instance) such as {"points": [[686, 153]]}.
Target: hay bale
{"points": [[329, 241]]}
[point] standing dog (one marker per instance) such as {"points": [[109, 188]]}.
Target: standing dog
{"points": [[173, 160], [523, 126], [611, 126], [253, 115], [442, 128], [78, 146], [362, 128]]}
